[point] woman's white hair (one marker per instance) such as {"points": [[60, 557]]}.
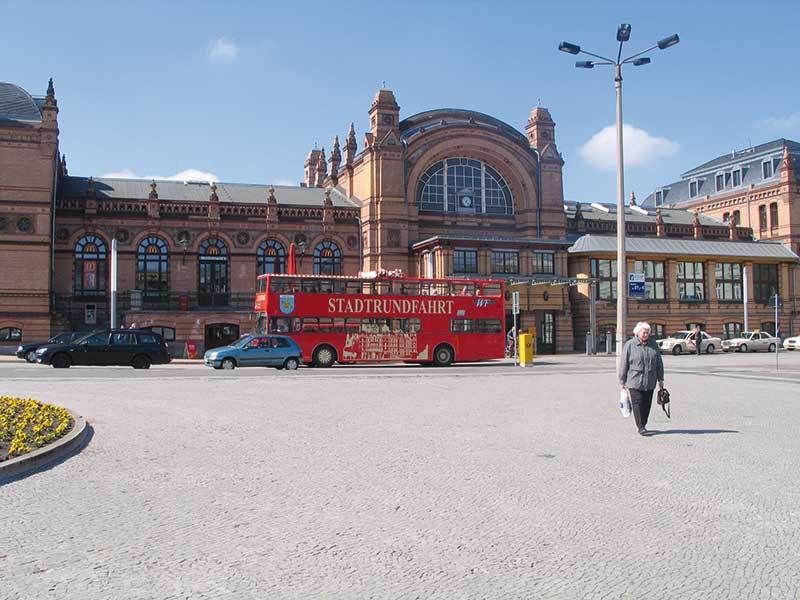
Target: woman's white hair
{"points": [[640, 326]]}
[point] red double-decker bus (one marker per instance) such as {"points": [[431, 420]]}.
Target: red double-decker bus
{"points": [[384, 318]]}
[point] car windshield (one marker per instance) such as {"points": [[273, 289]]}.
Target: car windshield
{"points": [[682, 334], [747, 334], [242, 341], [60, 338]]}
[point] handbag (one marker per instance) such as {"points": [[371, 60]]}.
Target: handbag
{"points": [[663, 400], [625, 402]]}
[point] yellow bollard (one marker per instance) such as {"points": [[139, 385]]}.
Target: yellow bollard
{"points": [[526, 352]]}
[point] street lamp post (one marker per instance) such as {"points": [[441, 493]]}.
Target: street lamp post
{"points": [[623, 35]]}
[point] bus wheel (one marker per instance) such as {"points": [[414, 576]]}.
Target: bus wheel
{"points": [[324, 356], [443, 356]]}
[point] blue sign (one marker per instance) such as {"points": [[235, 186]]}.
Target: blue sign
{"points": [[636, 285]]}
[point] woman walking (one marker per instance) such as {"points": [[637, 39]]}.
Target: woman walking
{"points": [[640, 369]]}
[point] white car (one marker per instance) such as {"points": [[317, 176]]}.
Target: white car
{"points": [[792, 343], [752, 341], [681, 342]]}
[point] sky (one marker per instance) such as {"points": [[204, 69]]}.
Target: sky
{"points": [[241, 91]]}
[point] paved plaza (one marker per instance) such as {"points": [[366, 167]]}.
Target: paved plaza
{"points": [[402, 482]]}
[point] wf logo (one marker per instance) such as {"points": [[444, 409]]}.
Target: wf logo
{"points": [[483, 302]]}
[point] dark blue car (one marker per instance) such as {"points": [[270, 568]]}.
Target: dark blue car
{"points": [[253, 350]]}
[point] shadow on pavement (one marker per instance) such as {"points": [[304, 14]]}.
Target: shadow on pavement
{"points": [[692, 431], [54, 463]]}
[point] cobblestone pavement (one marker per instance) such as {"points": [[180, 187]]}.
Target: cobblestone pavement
{"points": [[468, 483]]}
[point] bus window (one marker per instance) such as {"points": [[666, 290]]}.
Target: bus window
{"points": [[310, 286], [339, 325], [410, 289], [260, 285], [443, 289], [279, 286], [353, 287], [352, 325], [397, 325], [413, 325], [460, 325], [381, 287], [490, 289], [297, 324], [466, 289], [325, 324], [310, 324], [339, 287], [279, 324], [325, 286], [488, 326]]}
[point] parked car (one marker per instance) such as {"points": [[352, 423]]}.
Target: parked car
{"points": [[138, 348], [28, 351], [254, 350], [681, 341], [752, 341], [792, 343]]}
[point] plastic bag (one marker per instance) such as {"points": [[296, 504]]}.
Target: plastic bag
{"points": [[625, 402]]}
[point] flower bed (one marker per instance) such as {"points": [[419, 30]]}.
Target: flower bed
{"points": [[26, 424]]}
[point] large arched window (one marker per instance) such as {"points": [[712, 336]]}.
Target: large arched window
{"points": [[212, 289], [90, 266], [271, 257], [464, 185], [152, 268], [327, 259]]}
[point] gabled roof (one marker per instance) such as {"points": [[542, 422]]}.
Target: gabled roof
{"points": [[194, 191], [18, 105], [738, 156], [608, 212], [595, 244]]}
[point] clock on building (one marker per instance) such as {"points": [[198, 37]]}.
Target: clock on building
{"points": [[387, 119], [466, 201]]}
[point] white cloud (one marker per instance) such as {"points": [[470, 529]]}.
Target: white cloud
{"points": [[640, 147], [783, 124], [185, 175], [223, 50]]}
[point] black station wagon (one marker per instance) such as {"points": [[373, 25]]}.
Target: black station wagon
{"points": [[137, 348]]}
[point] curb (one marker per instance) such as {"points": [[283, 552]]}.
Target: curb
{"points": [[61, 448]]}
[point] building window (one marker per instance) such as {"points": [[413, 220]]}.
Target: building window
{"points": [[768, 327], [327, 259], [726, 217], [659, 197], [766, 169], [654, 282], [10, 334], [765, 282], [773, 215], [271, 257], [732, 330], [737, 217], [464, 185], [152, 268], [166, 333], [505, 262], [691, 284], [465, 261], [737, 178], [762, 216], [720, 182], [543, 263], [692, 189], [605, 270], [729, 281], [90, 266], [657, 331], [213, 273]]}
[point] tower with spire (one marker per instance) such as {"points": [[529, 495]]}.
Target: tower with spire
{"points": [[541, 133]]}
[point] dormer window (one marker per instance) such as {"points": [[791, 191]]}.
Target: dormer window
{"points": [[719, 182], [737, 178], [766, 169], [659, 197], [692, 189]]}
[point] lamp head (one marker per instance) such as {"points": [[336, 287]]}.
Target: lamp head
{"points": [[569, 48], [641, 61], [584, 64], [624, 32], [668, 41]]}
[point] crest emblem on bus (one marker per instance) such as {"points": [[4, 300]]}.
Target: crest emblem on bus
{"points": [[287, 304]]}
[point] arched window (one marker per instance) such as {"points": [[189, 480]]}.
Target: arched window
{"points": [[90, 266], [464, 185], [213, 274], [10, 334], [327, 259], [152, 268], [271, 257]]}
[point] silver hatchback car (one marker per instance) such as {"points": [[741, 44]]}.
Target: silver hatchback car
{"points": [[277, 351]]}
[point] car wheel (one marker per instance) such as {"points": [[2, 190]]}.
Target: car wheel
{"points": [[324, 356], [710, 349], [229, 364], [677, 350], [743, 348], [291, 364], [61, 361], [772, 347], [443, 356], [140, 361], [31, 356]]}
